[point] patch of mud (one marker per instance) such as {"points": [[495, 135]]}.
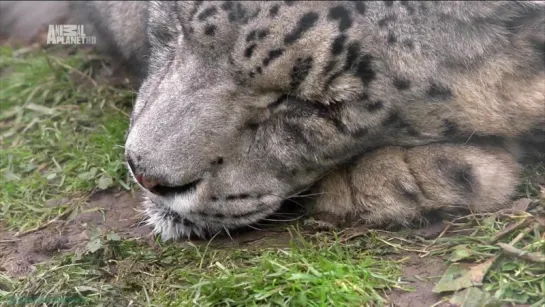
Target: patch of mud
{"points": [[420, 274], [110, 211], [118, 212], [107, 211]]}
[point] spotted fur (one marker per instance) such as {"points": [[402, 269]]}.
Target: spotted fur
{"points": [[371, 102]]}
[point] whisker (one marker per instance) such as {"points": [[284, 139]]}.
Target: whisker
{"points": [[213, 237], [315, 194], [227, 231], [287, 214], [254, 228], [288, 199], [287, 220], [297, 203]]}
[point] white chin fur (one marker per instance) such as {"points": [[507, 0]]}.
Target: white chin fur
{"points": [[171, 219], [167, 225]]}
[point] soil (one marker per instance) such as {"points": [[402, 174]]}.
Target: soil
{"points": [[106, 211], [117, 211], [110, 210], [420, 274]]}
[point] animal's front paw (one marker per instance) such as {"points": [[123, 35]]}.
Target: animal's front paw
{"points": [[400, 186]]}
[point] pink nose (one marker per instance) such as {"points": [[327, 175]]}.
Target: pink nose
{"points": [[148, 183]]}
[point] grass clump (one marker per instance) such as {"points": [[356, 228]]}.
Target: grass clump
{"points": [[61, 134], [510, 279], [304, 274]]}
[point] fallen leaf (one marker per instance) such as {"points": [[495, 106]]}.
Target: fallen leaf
{"points": [[85, 176], [39, 108], [10, 176], [94, 233], [94, 245], [540, 219], [105, 182], [521, 204], [460, 252], [112, 236], [474, 297], [30, 167], [86, 289], [490, 220], [93, 171], [167, 260], [460, 276]]}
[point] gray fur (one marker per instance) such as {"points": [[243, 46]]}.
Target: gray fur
{"points": [[405, 74], [204, 98]]}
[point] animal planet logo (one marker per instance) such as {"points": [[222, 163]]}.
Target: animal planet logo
{"points": [[69, 35]]}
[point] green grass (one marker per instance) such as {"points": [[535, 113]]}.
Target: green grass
{"points": [[473, 240], [322, 273], [509, 279], [60, 138]]}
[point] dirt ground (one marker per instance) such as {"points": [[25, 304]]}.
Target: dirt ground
{"points": [[420, 274], [117, 211]]}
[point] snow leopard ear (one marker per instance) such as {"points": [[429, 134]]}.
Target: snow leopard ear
{"points": [[205, 21], [524, 16], [165, 21], [527, 31]]}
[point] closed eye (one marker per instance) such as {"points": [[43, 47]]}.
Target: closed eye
{"points": [[281, 99]]}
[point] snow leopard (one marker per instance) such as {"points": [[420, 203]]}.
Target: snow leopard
{"points": [[384, 110]]}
